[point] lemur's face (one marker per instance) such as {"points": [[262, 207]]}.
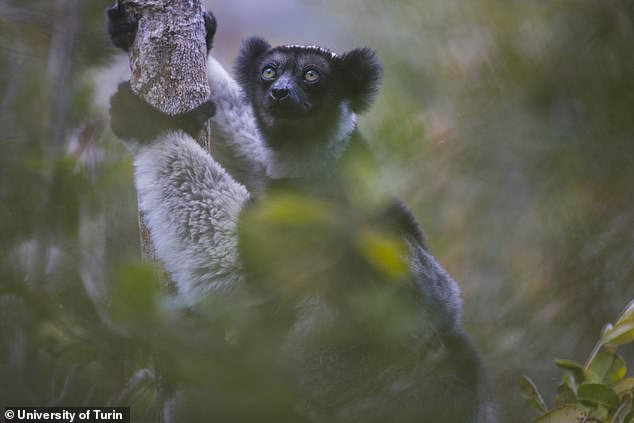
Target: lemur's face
{"points": [[297, 92], [294, 87]]}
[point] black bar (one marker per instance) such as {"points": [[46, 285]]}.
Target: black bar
{"points": [[66, 414]]}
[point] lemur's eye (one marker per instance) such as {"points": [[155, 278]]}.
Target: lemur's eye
{"points": [[269, 73], [311, 75]]}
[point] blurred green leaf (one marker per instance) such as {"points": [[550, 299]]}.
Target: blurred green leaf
{"points": [[292, 209], [564, 396], [620, 334], [607, 367], [598, 413], [134, 294], [628, 314], [567, 414], [576, 369], [598, 394], [531, 393], [387, 253], [624, 386]]}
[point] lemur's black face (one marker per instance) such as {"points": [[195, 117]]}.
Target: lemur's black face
{"points": [[300, 93], [293, 88]]}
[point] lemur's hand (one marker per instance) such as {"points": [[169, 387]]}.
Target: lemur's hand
{"points": [[122, 27], [131, 118]]}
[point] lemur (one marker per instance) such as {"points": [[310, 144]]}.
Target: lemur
{"points": [[288, 121]]}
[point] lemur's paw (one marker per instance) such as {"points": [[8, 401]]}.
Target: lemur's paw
{"points": [[121, 26], [133, 118], [194, 121]]}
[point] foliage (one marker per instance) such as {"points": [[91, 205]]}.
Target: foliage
{"points": [[506, 126], [597, 391]]}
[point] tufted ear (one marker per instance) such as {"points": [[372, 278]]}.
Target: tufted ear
{"points": [[361, 74], [251, 49]]}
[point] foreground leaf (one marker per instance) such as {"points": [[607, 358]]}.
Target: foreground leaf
{"points": [[567, 414], [598, 394], [530, 392], [576, 369], [620, 334], [607, 367]]}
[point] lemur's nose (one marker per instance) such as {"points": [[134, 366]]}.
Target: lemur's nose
{"points": [[280, 93]]}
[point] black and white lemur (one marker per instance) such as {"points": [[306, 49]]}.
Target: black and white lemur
{"points": [[287, 123]]}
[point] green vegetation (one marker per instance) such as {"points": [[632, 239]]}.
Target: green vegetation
{"points": [[506, 126], [599, 390]]}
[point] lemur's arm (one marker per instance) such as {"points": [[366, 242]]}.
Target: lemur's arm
{"points": [[190, 203], [236, 143], [235, 140], [191, 206]]}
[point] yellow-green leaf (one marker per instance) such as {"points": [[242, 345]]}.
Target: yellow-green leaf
{"points": [[606, 367], [567, 414], [290, 209], [385, 252], [628, 314], [624, 386], [576, 369], [531, 393], [620, 334]]}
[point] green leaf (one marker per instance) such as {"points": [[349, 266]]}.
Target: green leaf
{"points": [[292, 209], [629, 418], [598, 394], [598, 413], [567, 414], [576, 369], [569, 380], [385, 252], [621, 334], [134, 294], [607, 367], [531, 393], [624, 386], [565, 396], [628, 314], [623, 330]]}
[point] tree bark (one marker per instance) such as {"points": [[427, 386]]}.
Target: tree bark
{"points": [[168, 68]]}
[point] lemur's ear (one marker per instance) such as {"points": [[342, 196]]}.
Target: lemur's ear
{"points": [[251, 49], [361, 73]]}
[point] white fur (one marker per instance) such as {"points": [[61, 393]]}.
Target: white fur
{"points": [[313, 159], [191, 206], [319, 49], [235, 140]]}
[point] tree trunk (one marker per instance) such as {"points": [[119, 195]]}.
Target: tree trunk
{"points": [[168, 67], [168, 70]]}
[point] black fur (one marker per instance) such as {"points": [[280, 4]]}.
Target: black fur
{"points": [[252, 48], [122, 27], [133, 118], [291, 109], [428, 372], [361, 73], [211, 25]]}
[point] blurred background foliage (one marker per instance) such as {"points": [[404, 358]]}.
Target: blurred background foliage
{"points": [[508, 127]]}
